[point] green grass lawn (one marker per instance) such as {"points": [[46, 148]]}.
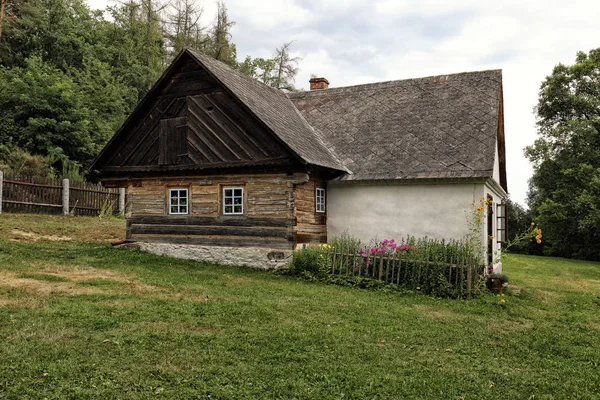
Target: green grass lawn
{"points": [[79, 319]]}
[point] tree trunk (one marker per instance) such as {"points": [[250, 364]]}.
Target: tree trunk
{"points": [[1, 16]]}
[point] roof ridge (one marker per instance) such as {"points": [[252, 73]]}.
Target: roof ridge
{"points": [[366, 86]]}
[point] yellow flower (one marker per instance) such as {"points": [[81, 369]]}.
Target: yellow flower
{"points": [[532, 223], [502, 301]]}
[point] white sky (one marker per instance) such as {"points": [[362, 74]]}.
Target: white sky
{"points": [[360, 41]]}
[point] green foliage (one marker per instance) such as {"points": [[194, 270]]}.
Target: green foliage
{"points": [[565, 188], [106, 209], [311, 261], [503, 277], [278, 72], [19, 162], [57, 114], [346, 243]]}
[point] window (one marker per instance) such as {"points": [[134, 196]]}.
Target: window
{"points": [[178, 201], [320, 200], [233, 200], [501, 222]]}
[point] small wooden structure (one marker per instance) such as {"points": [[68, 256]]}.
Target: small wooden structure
{"points": [[208, 160]]}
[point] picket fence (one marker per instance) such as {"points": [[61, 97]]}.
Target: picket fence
{"points": [[20, 194], [414, 270]]}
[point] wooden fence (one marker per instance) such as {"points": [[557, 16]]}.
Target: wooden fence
{"points": [[55, 196], [410, 269]]}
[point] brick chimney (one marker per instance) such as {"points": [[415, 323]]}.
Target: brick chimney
{"points": [[318, 83]]}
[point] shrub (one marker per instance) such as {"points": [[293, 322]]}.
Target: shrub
{"points": [[311, 260], [346, 243]]}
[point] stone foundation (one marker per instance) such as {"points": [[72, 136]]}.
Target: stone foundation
{"points": [[250, 256]]}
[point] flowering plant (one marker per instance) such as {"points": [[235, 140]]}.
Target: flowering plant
{"points": [[386, 247]]}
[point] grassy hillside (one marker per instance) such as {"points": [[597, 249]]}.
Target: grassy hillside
{"points": [[80, 319]]}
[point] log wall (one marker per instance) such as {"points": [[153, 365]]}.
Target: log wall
{"points": [[268, 219], [311, 227]]}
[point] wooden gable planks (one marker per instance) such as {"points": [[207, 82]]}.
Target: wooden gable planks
{"points": [[190, 77], [191, 120], [173, 147], [248, 127]]}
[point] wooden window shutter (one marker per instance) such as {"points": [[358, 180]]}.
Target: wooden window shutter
{"points": [[173, 142]]}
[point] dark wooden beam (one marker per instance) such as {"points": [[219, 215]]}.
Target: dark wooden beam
{"points": [[210, 221], [198, 230], [280, 244]]}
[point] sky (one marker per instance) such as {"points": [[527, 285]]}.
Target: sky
{"points": [[357, 41]]}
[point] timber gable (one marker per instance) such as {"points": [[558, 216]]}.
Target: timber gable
{"points": [[189, 121]]}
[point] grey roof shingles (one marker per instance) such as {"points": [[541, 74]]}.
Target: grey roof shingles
{"points": [[436, 127]]}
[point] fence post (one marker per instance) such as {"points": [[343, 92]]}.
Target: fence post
{"points": [[469, 277], [65, 196], [1, 181], [122, 201]]}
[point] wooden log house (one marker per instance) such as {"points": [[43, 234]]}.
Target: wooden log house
{"points": [[221, 167], [212, 158]]}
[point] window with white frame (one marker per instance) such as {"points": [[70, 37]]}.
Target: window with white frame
{"points": [[178, 201], [501, 222], [233, 200], [320, 200]]}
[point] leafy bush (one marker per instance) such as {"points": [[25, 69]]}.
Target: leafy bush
{"points": [[311, 260], [346, 243]]}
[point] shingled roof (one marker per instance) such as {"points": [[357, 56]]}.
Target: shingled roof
{"points": [[275, 110], [436, 127]]}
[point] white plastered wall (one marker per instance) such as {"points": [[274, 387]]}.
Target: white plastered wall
{"points": [[377, 211], [393, 210]]}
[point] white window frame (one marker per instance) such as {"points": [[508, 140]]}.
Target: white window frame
{"points": [[232, 197], [320, 200], [179, 198], [501, 222]]}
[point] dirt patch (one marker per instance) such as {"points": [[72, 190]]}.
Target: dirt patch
{"points": [[10, 302], [578, 284], [546, 296], [71, 280], [76, 278], [512, 326], [595, 325], [435, 312], [44, 288], [35, 236]]}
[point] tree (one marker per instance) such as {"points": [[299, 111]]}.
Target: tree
{"points": [[259, 68], [133, 44], [184, 29], [221, 47], [286, 68], [565, 188], [278, 72]]}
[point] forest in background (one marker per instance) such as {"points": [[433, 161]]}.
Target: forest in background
{"points": [[69, 75]]}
